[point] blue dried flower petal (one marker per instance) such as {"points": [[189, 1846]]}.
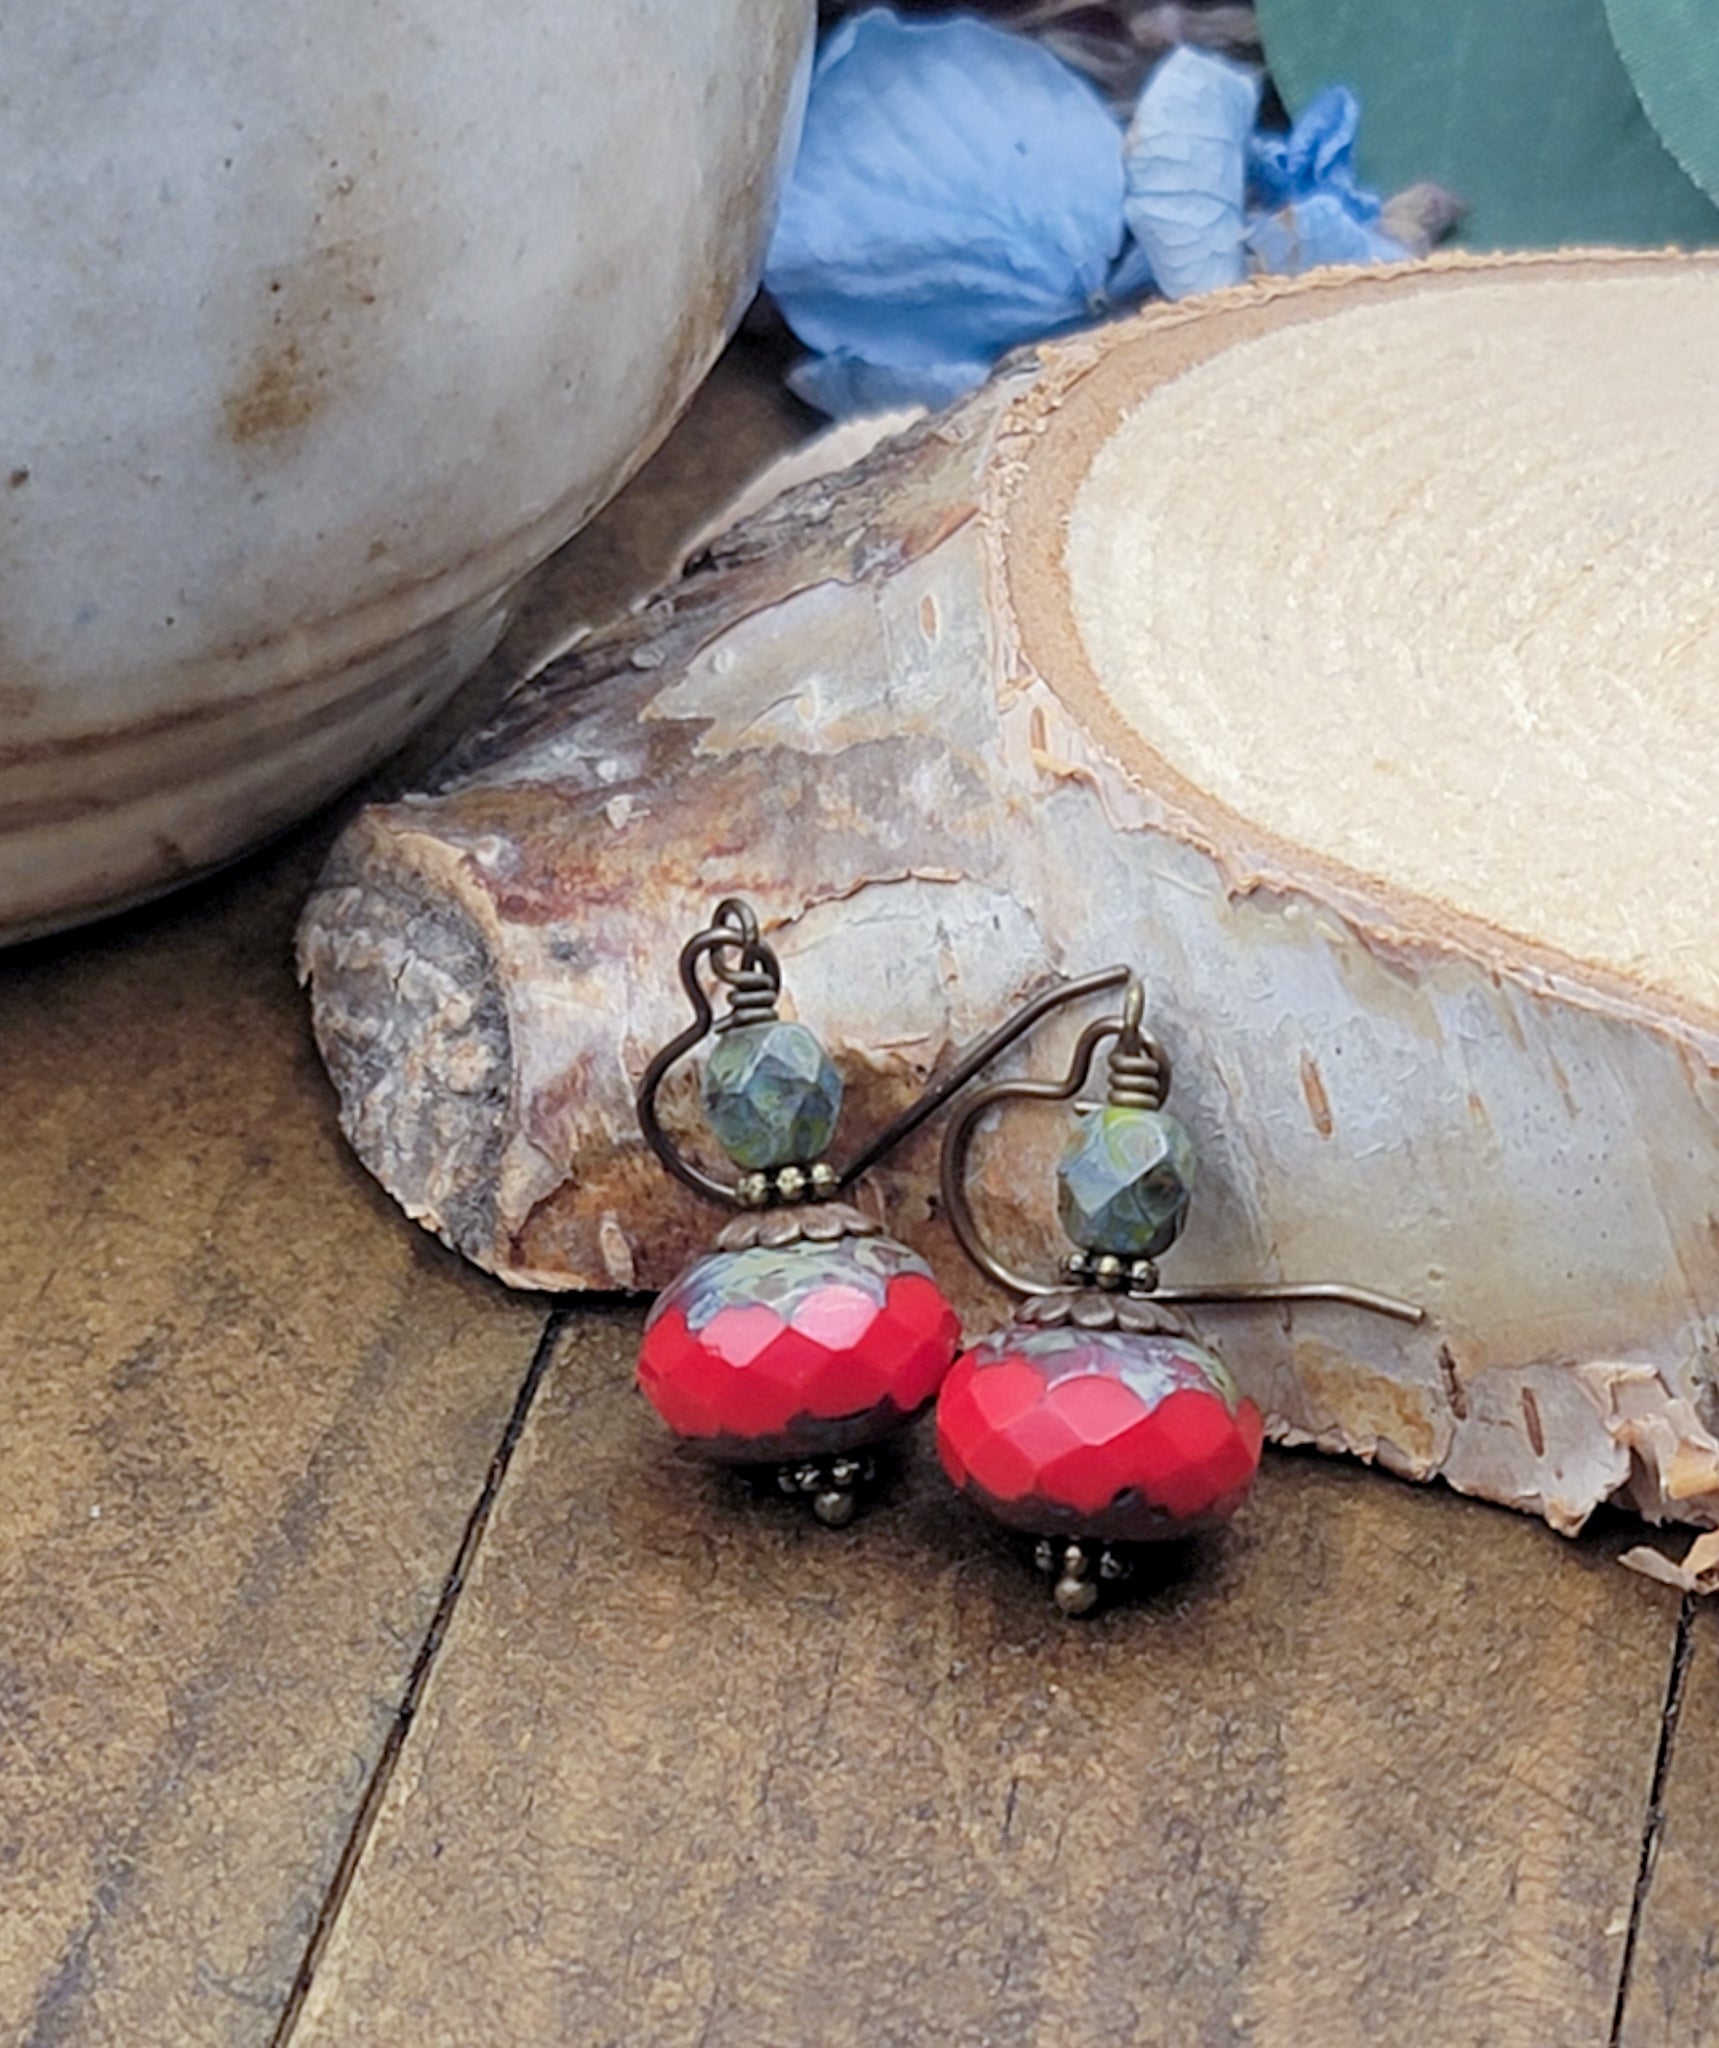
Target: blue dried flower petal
{"points": [[957, 191], [1186, 168], [1317, 156], [1313, 231]]}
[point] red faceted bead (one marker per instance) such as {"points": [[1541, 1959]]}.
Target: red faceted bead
{"points": [[797, 1351], [1099, 1433]]}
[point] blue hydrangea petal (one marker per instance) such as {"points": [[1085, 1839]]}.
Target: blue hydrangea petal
{"points": [[1317, 156], [1186, 168], [1309, 232], [958, 190]]}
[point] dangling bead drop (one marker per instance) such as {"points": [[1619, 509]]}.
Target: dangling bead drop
{"points": [[807, 1336], [1096, 1421]]}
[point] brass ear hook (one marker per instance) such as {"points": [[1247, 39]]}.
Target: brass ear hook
{"points": [[987, 1050], [958, 1139], [1139, 1078], [747, 965]]}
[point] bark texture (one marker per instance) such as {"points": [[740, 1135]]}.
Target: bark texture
{"points": [[866, 711]]}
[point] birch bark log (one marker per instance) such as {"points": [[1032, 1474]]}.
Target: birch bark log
{"points": [[1433, 1046]]}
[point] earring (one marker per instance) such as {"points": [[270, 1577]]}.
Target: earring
{"points": [[1098, 1422], [807, 1336]]}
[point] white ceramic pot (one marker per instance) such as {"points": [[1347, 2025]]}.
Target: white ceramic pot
{"points": [[319, 325]]}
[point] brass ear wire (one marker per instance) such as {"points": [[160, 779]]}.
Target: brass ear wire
{"points": [[754, 980], [958, 1139], [1139, 1078], [987, 1050]]}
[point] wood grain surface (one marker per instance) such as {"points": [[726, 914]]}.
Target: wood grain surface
{"points": [[246, 1417], [337, 1650], [691, 1771], [1671, 1999]]}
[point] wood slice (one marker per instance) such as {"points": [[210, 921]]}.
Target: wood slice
{"points": [[1343, 653]]}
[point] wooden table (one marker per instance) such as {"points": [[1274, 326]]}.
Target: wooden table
{"points": [[374, 1671]]}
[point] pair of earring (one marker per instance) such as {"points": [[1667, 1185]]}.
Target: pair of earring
{"points": [[1097, 1422]]}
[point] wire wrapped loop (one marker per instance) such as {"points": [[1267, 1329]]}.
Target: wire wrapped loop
{"points": [[1139, 1067], [745, 965]]}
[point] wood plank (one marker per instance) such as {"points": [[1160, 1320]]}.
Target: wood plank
{"points": [[694, 1771], [249, 1407], [1672, 1999], [248, 1412]]}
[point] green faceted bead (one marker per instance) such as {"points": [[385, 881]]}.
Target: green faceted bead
{"points": [[772, 1095], [1123, 1182]]}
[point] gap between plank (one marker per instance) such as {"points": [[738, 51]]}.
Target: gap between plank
{"points": [[376, 1790], [1653, 1821]]}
